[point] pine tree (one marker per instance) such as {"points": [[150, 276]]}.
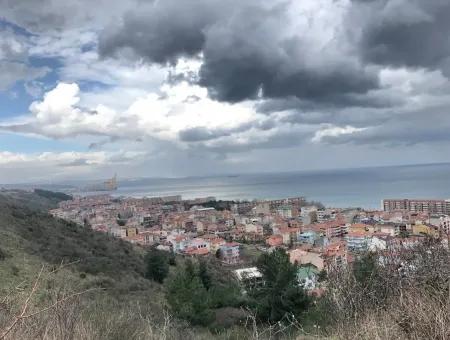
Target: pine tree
{"points": [[204, 276], [281, 294], [188, 297], [157, 266]]}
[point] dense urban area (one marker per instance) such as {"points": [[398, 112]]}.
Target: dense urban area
{"points": [[315, 237]]}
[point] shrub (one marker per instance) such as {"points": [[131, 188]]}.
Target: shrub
{"points": [[399, 294]]}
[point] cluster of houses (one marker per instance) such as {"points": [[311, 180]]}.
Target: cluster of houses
{"points": [[316, 238]]}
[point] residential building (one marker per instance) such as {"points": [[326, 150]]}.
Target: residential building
{"points": [[307, 276], [308, 237], [357, 240], [303, 257], [249, 277], [439, 206], [274, 241], [230, 253]]}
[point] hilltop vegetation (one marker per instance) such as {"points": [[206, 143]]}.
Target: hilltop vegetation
{"points": [[54, 241], [53, 196]]}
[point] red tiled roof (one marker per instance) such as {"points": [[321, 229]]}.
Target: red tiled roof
{"points": [[199, 251]]}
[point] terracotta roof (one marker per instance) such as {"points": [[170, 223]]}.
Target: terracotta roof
{"points": [[199, 251]]}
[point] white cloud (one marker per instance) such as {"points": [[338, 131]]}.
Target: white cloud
{"points": [[335, 131], [14, 64], [163, 117], [66, 159], [54, 166]]}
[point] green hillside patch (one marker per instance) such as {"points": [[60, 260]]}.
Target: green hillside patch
{"points": [[31, 233]]}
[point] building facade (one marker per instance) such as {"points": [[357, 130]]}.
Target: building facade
{"points": [[417, 205]]}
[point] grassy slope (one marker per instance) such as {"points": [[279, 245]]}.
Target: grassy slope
{"points": [[30, 238]]}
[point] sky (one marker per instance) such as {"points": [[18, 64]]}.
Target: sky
{"points": [[173, 88]]}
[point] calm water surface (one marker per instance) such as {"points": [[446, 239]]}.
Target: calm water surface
{"points": [[338, 188]]}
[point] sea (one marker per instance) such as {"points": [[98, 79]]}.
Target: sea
{"points": [[361, 187]]}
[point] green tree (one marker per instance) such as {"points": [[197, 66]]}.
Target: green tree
{"points": [[188, 298], [157, 266], [204, 275], [280, 295], [189, 269], [365, 269]]}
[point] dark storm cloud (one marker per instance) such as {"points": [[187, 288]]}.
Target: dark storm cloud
{"points": [[163, 31], [413, 33], [246, 46], [56, 16], [312, 64]]}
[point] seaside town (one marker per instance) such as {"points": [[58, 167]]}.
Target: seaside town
{"points": [[234, 232]]}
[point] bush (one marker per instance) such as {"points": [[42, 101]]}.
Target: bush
{"points": [[400, 294]]}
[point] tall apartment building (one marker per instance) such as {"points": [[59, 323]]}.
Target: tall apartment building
{"points": [[417, 205]]}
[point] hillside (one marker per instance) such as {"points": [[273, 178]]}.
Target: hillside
{"points": [[116, 299], [28, 230]]}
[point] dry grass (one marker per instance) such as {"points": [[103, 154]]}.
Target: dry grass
{"points": [[408, 297]]}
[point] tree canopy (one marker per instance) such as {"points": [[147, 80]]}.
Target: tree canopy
{"points": [[280, 295]]}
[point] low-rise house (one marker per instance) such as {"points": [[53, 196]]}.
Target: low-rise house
{"points": [[289, 235], [179, 243], [303, 257], [199, 226], [377, 243], [393, 229], [191, 251], [307, 276], [131, 231], [308, 237], [254, 229], [335, 255], [360, 227], [423, 229], [230, 253], [216, 243], [199, 243], [274, 241], [100, 227], [285, 211], [357, 240], [334, 228], [444, 224], [249, 277], [144, 238]]}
